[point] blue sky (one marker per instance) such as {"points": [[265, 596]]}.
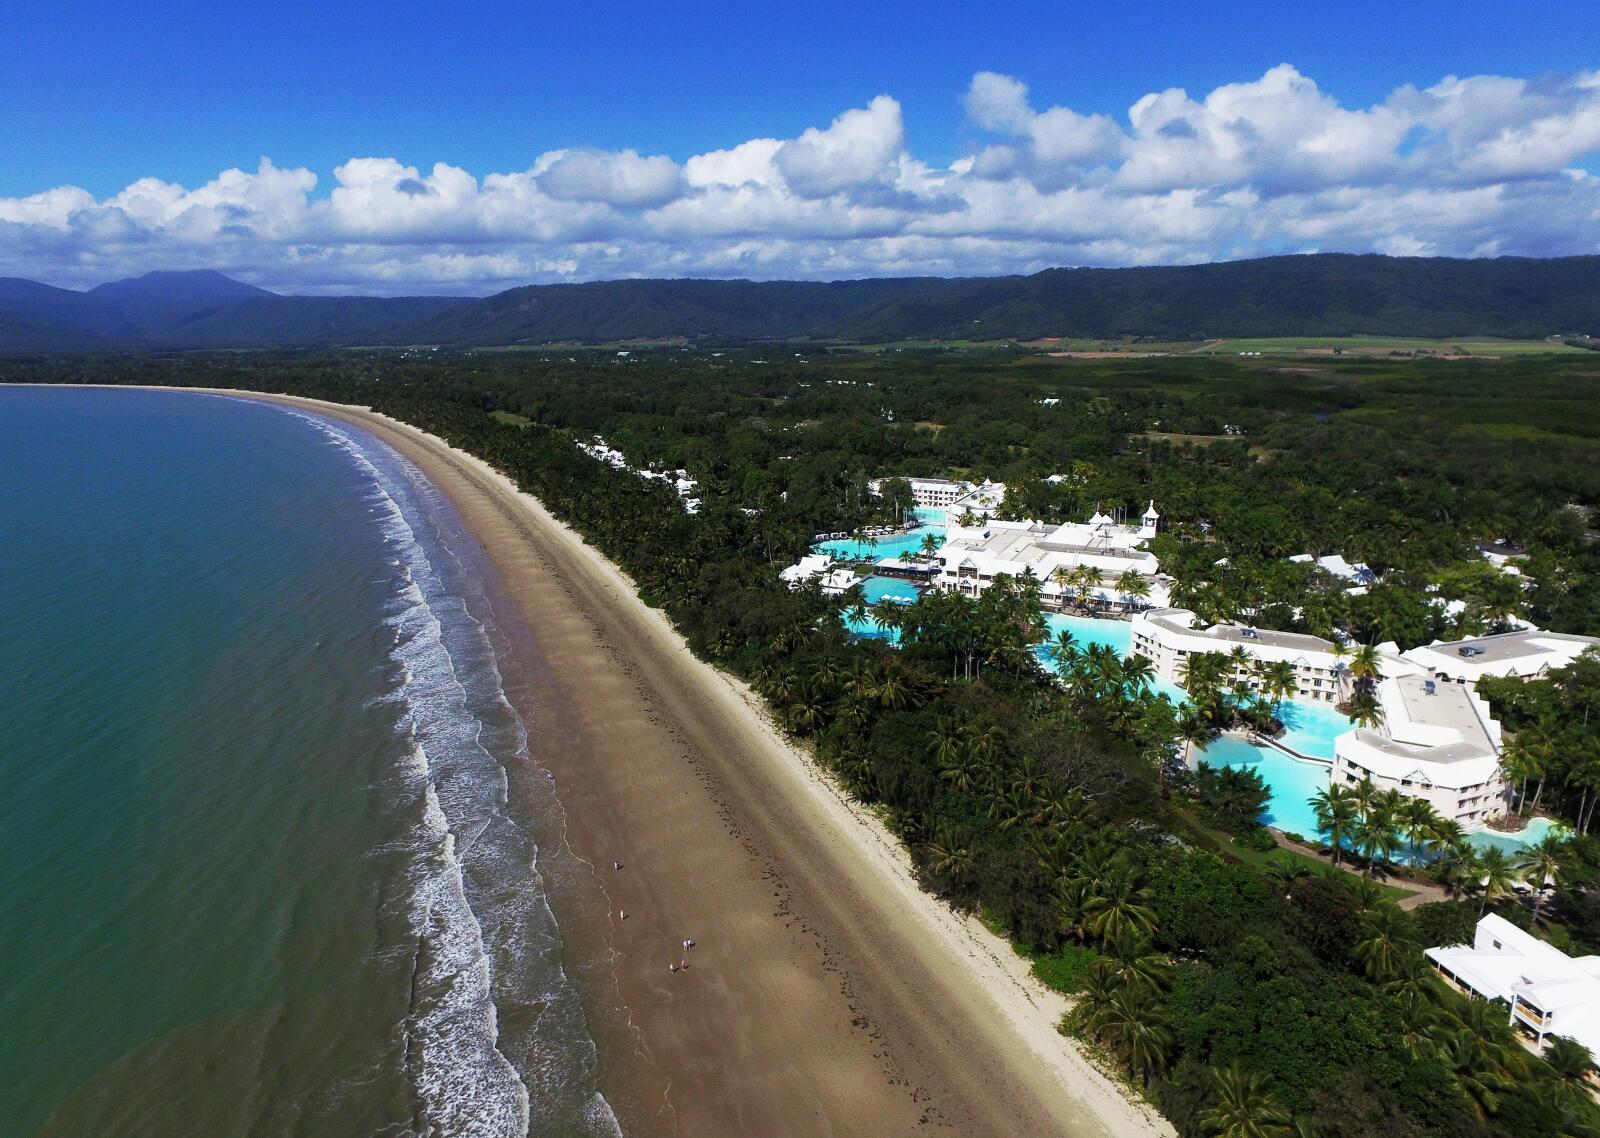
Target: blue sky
{"points": [[98, 96]]}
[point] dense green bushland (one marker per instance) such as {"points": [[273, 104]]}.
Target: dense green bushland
{"points": [[1238, 996]]}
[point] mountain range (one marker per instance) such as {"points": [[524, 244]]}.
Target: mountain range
{"points": [[1310, 295]]}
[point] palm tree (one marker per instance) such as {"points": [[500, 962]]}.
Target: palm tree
{"points": [[930, 546], [1133, 963], [1376, 839], [1364, 794], [1387, 938], [1418, 821], [1245, 1107], [1279, 681], [1539, 865], [1571, 1060], [1073, 898], [947, 854], [1339, 651], [1135, 1024], [1191, 729], [1495, 876], [1133, 586], [1446, 834], [1120, 906], [1284, 871], [1520, 761], [1085, 579], [1137, 672], [1061, 576], [1473, 1060], [1064, 649], [1458, 870], [1336, 812], [1366, 666], [1365, 710]]}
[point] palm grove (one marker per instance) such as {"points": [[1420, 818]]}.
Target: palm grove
{"points": [[1246, 995]]}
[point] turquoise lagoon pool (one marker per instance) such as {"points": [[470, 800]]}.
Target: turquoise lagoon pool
{"points": [[849, 549], [1309, 728], [1293, 782], [876, 589], [1087, 630]]}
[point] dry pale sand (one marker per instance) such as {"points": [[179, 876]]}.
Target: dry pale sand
{"points": [[827, 994]]}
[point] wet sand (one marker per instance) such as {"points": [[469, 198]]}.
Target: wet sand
{"points": [[826, 994]]}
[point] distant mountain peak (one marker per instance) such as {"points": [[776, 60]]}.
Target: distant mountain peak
{"points": [[192, 286]]}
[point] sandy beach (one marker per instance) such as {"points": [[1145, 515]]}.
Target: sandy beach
{"points": [[826, 993]]}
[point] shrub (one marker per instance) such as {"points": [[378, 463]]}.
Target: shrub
{"points": [[1259, 839], [1066, 968]]}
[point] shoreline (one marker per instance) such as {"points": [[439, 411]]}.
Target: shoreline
{"points": [[829, 993]]}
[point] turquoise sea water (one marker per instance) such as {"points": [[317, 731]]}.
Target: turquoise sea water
{"points": [[261, 874]]}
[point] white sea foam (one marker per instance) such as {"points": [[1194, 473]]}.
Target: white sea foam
{"points": [[483, 928]]}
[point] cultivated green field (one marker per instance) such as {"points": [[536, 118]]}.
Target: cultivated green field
{"points": [[1383, 345]]}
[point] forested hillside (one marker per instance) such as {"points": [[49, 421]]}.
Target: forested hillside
{"points": [[1319, 295]]}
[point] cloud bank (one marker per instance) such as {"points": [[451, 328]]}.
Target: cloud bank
{"points": [[1479, 166]]}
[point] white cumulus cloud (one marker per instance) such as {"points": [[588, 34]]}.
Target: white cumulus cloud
{"points": [[1462, 166]]}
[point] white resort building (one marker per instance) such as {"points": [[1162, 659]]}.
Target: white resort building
{"points": [[974, 556], [1546, 992], [818, 567], [955, 497], [1437, 741], [1526, 653], [1168, 637]]}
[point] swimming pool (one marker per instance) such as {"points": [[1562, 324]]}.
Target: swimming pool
{"points": [[1087, 630], [1311, 728], [849, 549], [1530, 835], [876, 589], [1292, 782]]}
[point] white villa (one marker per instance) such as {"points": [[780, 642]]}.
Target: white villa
{"points": [[974, 556], [1438, 742], [1168, 637], [818, 566], [1350, 572], [678, 480], [1547, 992], [1525, 653]]}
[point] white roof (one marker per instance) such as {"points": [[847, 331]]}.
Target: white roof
{"points": [[1506, 963], [1525, 652], [1431, 732]]}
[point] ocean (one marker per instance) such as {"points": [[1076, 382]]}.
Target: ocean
{"points": [[265, 873]]}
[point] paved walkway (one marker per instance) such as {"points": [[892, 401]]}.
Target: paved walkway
{"points": [[1422, 891]]}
